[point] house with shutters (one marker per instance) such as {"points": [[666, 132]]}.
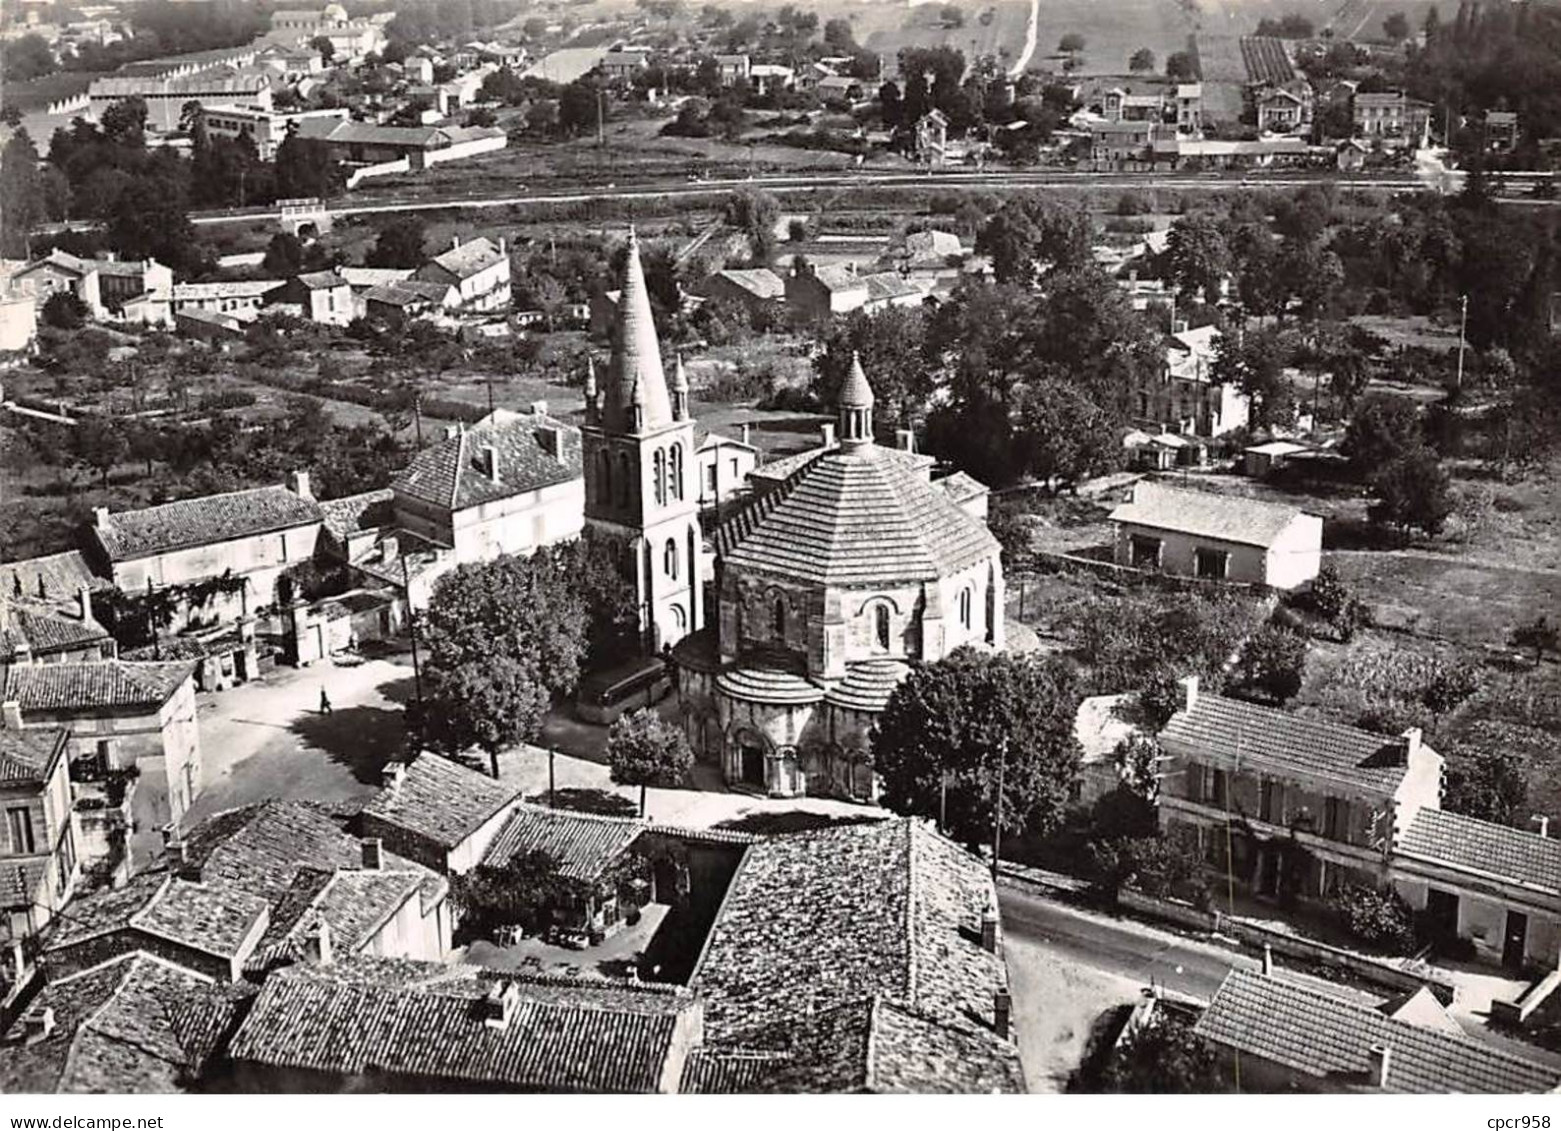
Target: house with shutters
{"points": [[508, 484], [1199, 534], [38, 859], [478, 270]]}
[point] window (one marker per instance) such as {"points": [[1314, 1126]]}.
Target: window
{"points": [[1194, 782], [1211, 565], [964, 609], [881, 626], [677, 471], [778, 624], [669, 558], [65, 859], [1268, 802], [710, 474], [1143, 553], [20, 823], [1217, 790], [659, 461], [1334, 819]]}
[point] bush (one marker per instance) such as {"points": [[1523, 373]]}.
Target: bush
{"points": [[1377, 918], [1272, 663]]}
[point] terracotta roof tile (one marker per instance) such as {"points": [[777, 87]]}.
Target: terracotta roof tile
{"points": [[26, 756], [1228, 731], [1330, 1039], [469, 258], [583, 843], [449, 474], [94, 685], [440, 800], [197, 522], [1513, 855], [1247, 522], [356, 513]]}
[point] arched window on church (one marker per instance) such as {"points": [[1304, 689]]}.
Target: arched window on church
{"points": [[659, 460], [622, 483], [778, 624], [881, 627], [603, 477], [677, 472], [964, 609], [669, 559]]}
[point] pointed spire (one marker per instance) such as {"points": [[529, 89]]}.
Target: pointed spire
{"points": [[636, 356], [856, 391], [592, 411], [679, 390], [856, 407]]}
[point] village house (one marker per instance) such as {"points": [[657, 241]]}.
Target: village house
{"points": [[905, 991], [1279, 111], [364, 143], [1291, 1037], [1186, 398], [760, 290], [120, 714], [848, 565], [478, 269], [223, 554], [240, 297], [318, 296], [1121, 141], [624, 64], [770, 78], [438, 813], [365, 1025], [507, 485], [38, 859], [1137, 103], [1350, 155], [732, 69], [1391, 120], [839, 90], [724, 466], [819, 293], [103, 285], [268, 127], [1287, 806], [1199, 534], [1501, 130], [1189, 109], [47, 611], [411, 298]]}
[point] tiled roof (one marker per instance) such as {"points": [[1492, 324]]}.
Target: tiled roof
{"points": [[1511, 855], [449, 474], [43, 629], [62, 576], [833, 278], [470, 258], [1229, 731], [374, 276], [105, 910], [819, 920], [729, 1071], [123, 1026], [355, 513], [412, 292], [1247, 522], [198, 522], [321, 280], [961, 488], [355, 904], [94, 685], [421, 1022], [1330, 1039], [887, 285], [440, 800], [760, 282], [220, 920], [26, 756], [230, 288], [863, 517], [868, 685], [759, 684], [584, 844]]}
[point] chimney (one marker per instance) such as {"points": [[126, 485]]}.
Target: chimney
{"points": [[13, 714], [989, 923], [1381, 1058], [747, 433], [1410, 741], [827, 434], [373, 854], [497, 1009], [503, 246], [100, 517], [490, 462], [538, 408], [389, 548], [905, 439], [1002, 1012], [37, 1024], [298, 484], [1268, 961], [393, 775], [317, 943], [451, 431], [1189, 693], [84, 602], [455, 242]]}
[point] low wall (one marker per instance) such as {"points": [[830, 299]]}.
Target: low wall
{"points": [[1170, 910], [465, 149], [364, 172]]}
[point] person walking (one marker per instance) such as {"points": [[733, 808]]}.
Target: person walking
{"points": [[325, 702]]}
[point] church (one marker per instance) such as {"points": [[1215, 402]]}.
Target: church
{"points": [[848, 564]]}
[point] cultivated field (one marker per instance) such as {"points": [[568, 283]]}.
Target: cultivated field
{"points": [[988, 29]]}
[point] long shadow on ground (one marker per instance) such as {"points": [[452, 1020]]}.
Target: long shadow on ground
{"points": [[790, 821], [361, 738]]}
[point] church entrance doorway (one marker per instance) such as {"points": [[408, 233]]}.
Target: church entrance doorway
{"points": [[752, 764]]}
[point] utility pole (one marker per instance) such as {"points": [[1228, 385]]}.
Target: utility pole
{"points": [[551, 753], [997, 824], [1463, 327], [943, 801], [601, 118], [417, 669], [417, 417]]}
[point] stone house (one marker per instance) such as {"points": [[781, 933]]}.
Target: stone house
{"points": [[1211, 537], [438, 813], [319, 296], [478, 269], [1391, 120], [1185, 398], [507, 485], [819, 293], [38, 858], [759, 289], [724, 465]]}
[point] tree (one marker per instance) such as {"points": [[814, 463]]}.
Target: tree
{"points": [[1489, 785], [481, 117], [29, 57], [890, 105], [523, 893], [99, 443], [64, 311], [1336, 603], [124, 122], [579, 103], [1413, 493], [1029, 236], [890, 344], [305, 167], [1254, 363], [1181, 66], [1197, 256], [1542, 634], [1141, 60], [952, 730], [1382, 428], [754, 214], [1071, 43], [542, 116], [1164, 1056], [401, 243], [327, 49], [838, 36], [645, 750], [22, 189], [284, 256], [1063, 434], [1272, 663], [1396, 27], [1449, 687], [504, 638]]}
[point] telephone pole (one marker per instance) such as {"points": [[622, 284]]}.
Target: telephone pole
{"points": [[997, 823], [1463, 337]]}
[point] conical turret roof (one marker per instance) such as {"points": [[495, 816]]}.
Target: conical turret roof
{"points": [[856, 392], [635, 375]]}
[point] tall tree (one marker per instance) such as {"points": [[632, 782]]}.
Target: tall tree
{"points": [[1413, 493], [1029, 236], [401, 243], [1141, 60], [891, 344], [954, 729], [1197, 256], [645, 750], [22, 190]]}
